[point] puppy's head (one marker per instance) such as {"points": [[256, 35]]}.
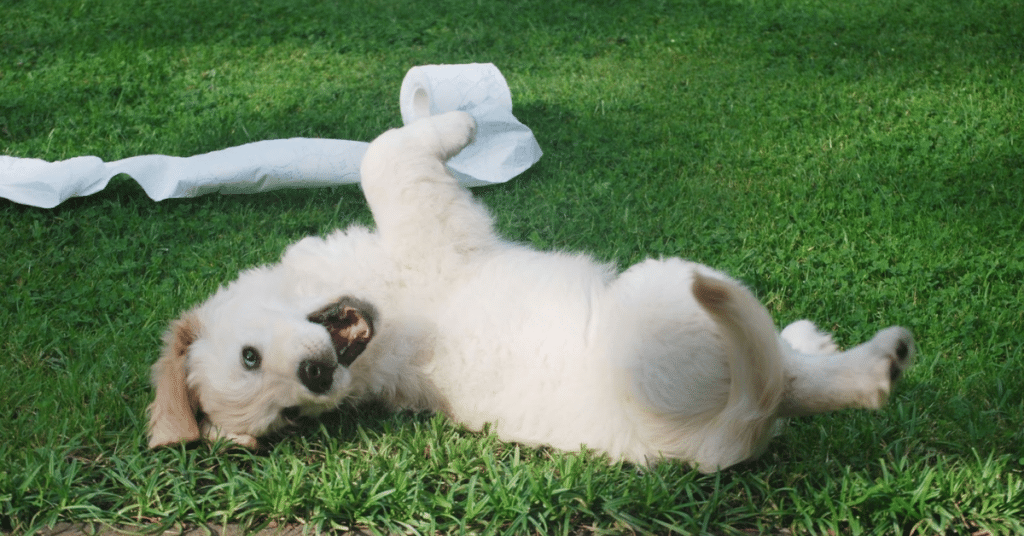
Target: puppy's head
{"points": [[243, 365]]}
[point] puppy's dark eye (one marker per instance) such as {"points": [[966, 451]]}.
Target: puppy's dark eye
{"points": [[251, 358]]}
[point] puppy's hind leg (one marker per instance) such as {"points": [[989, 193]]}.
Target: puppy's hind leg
{"points": [[743, 427], [862, 377], [706, 362], [419, 208]]}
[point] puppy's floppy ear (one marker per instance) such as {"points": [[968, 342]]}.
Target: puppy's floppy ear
{"points": [[172, 415], [349, 321]]}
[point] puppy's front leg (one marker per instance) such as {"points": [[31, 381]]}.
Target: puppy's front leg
{"points": [[420, 209]]}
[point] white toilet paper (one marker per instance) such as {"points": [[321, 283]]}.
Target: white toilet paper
{"points": [[249, 168], [504, 148]]}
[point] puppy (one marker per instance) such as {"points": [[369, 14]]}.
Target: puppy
{"points": [[433, 311]]}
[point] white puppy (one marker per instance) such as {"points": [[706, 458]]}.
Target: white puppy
{"points": [[669, 359]]}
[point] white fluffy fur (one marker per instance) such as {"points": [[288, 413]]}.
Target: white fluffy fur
{"points": [[669, 359]]}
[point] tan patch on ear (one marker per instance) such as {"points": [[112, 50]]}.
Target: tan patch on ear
{"points": [[355, 325], [172, 415]]}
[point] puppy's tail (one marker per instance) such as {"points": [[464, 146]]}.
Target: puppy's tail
{"points": [[757, 376]]}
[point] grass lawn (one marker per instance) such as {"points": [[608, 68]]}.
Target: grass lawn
{"points": [[857, 163]]}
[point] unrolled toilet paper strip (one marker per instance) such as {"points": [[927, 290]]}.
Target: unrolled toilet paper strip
{"points": [[503, 148], [253, 167]]}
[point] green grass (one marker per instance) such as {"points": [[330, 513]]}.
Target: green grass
{"points": [[857, 163]]}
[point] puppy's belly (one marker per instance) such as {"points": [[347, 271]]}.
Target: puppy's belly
{"points": [[519, 346]]}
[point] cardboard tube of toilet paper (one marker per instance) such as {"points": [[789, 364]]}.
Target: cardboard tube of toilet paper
{"points": [[504, 147]]}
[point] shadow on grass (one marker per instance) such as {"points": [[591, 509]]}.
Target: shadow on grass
{"points": [[973, 31], [830, 39], [343, 423]]}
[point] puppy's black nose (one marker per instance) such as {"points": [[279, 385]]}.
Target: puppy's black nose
{"points": [[317, 374]]}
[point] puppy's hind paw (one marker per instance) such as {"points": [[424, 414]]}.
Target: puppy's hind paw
{"points": [[892, 351], [804, 337], [897, 348]]}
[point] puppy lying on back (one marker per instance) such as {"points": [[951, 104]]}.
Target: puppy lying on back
{"points": [[432, 310]]}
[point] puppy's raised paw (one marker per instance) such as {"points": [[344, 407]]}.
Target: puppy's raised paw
{"points": [[455, 130]]}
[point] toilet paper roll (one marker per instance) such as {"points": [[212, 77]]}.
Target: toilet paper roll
{"points": [[503, 148]]}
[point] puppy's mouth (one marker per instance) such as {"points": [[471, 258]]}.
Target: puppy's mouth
{"points": [[291, 415], [349, 322]]}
